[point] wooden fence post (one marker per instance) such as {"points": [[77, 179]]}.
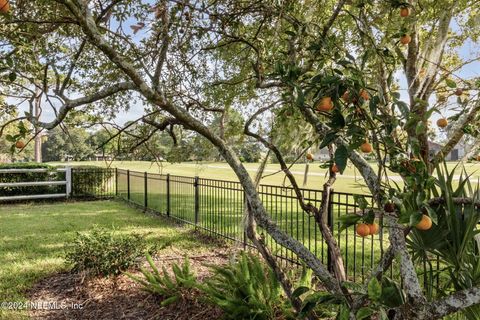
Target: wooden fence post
{"points": [[68, 179], [128, 185], [116, 182], [145, 189]]}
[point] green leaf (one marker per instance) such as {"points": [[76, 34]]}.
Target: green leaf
{"points": [[299, 291], [300, 101], [361, 201], [374, 289], [383, 314], [364, 313], [169, 300], [338, 121], [341, 157], [415, 219], [432, 214], [392, 295], [329, 138], [348, 220], [451, 83], [343, 313], [12, 76], [421, 128]]}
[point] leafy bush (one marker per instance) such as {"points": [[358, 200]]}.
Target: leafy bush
{"points": [[30, 177], [247, 289], [101, 252], [162, 284], [88, 181], [453, 237]]}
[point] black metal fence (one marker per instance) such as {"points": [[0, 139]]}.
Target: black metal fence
{"points": [[217, 207]]}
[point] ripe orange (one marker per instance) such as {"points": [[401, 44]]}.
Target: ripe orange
{"points": [[442, 123], [4, 6], [363, 230], [405, 39], [404, 12], [478, 158], [458, 92], [335, 169], [309, 156], [366, 147], [364, 94], [20, 144], [425, 223], [325, 104], [374, 228]]}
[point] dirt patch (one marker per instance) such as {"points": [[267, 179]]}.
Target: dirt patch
{"points": [[120, 297]]}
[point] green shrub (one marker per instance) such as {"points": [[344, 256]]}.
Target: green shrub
{"points": [[30, 177], [102, 252], [91, 181], [162, 284], [247, 289]]}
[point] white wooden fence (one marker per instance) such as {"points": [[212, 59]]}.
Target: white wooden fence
{"points": [[67, 183]]}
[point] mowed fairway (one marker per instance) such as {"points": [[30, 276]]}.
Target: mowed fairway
{"points": [[351, 181]]}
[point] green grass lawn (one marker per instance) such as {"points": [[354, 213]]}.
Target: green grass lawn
{"points": [[350, 181], [32, 238]]}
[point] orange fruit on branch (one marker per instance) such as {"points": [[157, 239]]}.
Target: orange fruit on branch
{"points": [[405, 39], [325, 104], [404, 12], [20, 144], [478, 158], [335, 169], [374, 228], [366, 147], [309, 156], [346, 97], [363, 230], [425, 223], [442, 123], [458, 92], [4, 6], [364, 94]]}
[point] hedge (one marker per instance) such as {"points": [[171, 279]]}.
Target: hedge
{"points": [[50, 175], [92, 181]]}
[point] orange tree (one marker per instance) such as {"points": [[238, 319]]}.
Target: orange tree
{"points": [[320, 73]]}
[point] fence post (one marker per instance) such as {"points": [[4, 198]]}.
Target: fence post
{"points": [[128, 185], [116, 182], [68, 179], [168, 194], [145, 189], [197, 205], [330, 226]]}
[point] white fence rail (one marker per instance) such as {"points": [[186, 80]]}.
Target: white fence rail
{"points": [[67, 183]]}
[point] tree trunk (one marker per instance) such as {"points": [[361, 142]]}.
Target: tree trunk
{"points": [[38, 138]]}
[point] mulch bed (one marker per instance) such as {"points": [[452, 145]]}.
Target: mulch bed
{"points": [[120, 297]]}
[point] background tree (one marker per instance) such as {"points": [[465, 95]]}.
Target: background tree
{"points": [[63, 145]]}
